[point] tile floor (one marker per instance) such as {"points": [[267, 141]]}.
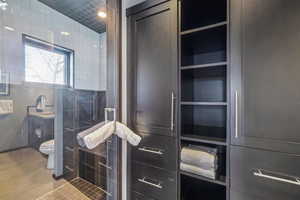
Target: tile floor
{"points": [[23, 175]]}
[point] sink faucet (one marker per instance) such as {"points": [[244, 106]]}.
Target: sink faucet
{"points": [[41, 103]]}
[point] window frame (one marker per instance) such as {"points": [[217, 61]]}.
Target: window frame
{"points": [[69, 72]]}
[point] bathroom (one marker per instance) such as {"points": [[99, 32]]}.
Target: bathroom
{"points": [[149, 99]]}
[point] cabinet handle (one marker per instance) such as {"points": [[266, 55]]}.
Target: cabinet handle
{"points": [[173, 98], [69, 149], [259, 173], [236, 114], [104, 165], [69, 168], [145, 149], [149, 183]]}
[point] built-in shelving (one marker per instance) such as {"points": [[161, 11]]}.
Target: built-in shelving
{"points": [[204, 92], [220, 181], [203, 139], [218, 64], [203, 28]]}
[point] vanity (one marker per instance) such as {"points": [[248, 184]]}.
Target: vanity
{"points": [[40, 126]]}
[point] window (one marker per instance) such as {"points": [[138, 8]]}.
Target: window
{"points": [[47, 63]]}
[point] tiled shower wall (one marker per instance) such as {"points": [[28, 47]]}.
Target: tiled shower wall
{"points": [[81, 110]]}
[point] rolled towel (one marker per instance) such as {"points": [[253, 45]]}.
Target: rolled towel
{"points": [[199, 157], [124, 132], [197, 170], [86, 132], [99, 136]]}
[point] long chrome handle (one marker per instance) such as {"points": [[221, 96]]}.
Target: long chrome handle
{"points": [[236, 114], [149, 183], [173, 98], [145, 149], [104, 165], [69, 149], [259, 173]]}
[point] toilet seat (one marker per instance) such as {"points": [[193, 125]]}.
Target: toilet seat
{"points": [[48, 149]]}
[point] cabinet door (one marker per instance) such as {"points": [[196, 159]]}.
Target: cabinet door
{"points": [[153, 67], [265, 96]]}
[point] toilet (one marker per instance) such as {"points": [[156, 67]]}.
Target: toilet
{"points": [[47, 148]]}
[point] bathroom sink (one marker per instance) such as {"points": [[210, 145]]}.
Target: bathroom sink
{"points": [[45, 115]]}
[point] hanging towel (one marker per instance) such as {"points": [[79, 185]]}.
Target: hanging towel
{"points": [[96, 135], [197, 170], [86, 132], [125, 133], [203, 158], [99, 136]]}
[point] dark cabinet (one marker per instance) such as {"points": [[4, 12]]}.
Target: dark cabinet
{"points": [[265, 70], [153, 58], [261, 175]]}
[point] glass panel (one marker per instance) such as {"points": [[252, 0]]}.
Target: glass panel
{"points": [[54, 85]]}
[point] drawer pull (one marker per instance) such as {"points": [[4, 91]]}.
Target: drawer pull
{"points": [[70, 149], [69, 168], [149, 183], [259, 173], [145, 149], [104, 165]]}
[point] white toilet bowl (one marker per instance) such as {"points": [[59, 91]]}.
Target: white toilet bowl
{"points": [[47, 148]]}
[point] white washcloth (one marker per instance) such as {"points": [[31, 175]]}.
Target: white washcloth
{"points": [[101, 134], [81, 135]]}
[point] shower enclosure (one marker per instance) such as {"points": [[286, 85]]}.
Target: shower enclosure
{"points": [[65, 53]]}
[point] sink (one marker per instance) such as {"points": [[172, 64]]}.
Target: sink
{"points": [[45, 115]]}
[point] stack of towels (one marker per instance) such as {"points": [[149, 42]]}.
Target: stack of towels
{"points": [[199, 160], [99, 133]]}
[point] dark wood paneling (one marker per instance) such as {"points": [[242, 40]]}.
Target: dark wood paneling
{"points": [[265, 73]]}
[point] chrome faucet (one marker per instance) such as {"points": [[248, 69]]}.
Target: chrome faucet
{"points": [[41, 103]]}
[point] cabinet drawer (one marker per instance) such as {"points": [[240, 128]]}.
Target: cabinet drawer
{"points": [[138, 196], [159, 151], [153, 182], [260, 175]]}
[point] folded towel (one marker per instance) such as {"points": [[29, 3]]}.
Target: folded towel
{"points": [[96, 135], [125, 133], [86, 132], [99, 136], [199, 158], [197, 170]]}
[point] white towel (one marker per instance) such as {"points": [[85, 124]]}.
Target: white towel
{"points": [[197, 170], [101, 134], [81, 135], [199, 158], [125, 133]]}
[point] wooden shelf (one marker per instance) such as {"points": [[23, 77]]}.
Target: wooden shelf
{"points": [[203, 28], [204, 139], [187, 103], [218, 64], [221, 181]]}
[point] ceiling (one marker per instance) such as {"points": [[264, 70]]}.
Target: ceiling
{"points": [[82, 11]]}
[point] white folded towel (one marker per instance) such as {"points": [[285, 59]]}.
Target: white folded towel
{"points": [[101, 134], [81, 135], [197, 170], [125, 133], [199, 158]]}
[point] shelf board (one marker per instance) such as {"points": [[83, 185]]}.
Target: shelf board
{"points": [[221, 181], [218, 64], [204, 139], [203, 28], [203, 103]]}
